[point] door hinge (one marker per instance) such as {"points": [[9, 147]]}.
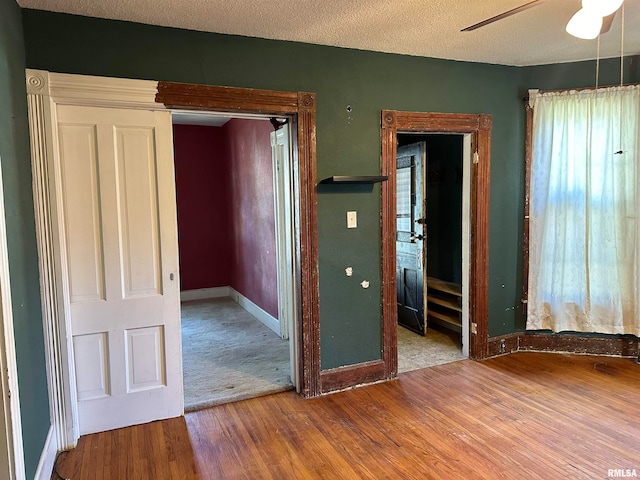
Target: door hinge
{"points": [[474, 328], [476, 157]]}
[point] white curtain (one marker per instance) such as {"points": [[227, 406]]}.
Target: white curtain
{"points": [[583, 238]]}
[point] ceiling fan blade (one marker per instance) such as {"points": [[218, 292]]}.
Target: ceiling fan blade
{"points": [[506, 14], [606, 23]]}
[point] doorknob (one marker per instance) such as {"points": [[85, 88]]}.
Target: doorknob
{"points": [[421, 221], [418, 237]]}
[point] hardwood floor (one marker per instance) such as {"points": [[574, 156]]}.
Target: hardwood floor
{"points": [[521, 416]]}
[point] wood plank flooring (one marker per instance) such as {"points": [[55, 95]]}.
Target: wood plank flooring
{"points": [[521, 416]]}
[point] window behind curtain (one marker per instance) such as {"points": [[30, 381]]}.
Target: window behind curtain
{"points": [[583, 204]]}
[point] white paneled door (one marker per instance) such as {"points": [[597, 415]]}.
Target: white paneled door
{"points": [[116, 198]]}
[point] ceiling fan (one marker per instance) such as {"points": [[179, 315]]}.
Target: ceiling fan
{"points": [[593, 19]]}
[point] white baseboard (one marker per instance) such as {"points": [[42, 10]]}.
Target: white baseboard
{"points": [[48, 457], [203, 293], [264, 317]]}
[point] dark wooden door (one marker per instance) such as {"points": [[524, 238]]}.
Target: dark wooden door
{"points": [[410, 236]]}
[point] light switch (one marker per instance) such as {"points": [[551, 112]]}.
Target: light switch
{"points": [[352, 219]]}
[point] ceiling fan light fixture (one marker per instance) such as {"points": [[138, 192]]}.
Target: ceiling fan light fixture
{"points": [[584, 24], [602, 8]]}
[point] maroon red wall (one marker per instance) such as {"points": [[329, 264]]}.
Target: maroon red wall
{"points": [[253, 268], [226, 219], [202, 187]]}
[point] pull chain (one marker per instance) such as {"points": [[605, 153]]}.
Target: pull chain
{"points": [[620, 150], [622, 48]]}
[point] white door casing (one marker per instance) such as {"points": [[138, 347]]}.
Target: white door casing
{"points": [[283, 204], [285, 198], [111, 219], [466, 237]]}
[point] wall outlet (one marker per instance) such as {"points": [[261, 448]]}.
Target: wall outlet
{"points": [[352, 219]]}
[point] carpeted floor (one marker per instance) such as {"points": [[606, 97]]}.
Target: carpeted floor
{"points": [[436, 348], [228, 355]]}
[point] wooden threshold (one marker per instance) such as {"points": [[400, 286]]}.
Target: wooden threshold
{"points": [[527, 415]]}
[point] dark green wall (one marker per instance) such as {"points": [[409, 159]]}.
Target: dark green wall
{"points": [[444, 207], [23, 260], [580, 74], [348, 142]]}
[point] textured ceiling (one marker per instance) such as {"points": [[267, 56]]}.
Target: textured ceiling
{"points": [[429, 28]]}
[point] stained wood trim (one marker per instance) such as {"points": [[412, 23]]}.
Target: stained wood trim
{"points": [[623, 346], [480, 127], [352, 375], [479, 281], [302, 107], [503, 345], [230, 99], [389, 301], [440, 122], [310, 324]]}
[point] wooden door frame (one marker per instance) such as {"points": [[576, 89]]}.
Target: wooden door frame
{"points": [[301, 106], [479, 126]]}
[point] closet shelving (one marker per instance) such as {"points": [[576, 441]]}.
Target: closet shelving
{"points": [[444, 303]]}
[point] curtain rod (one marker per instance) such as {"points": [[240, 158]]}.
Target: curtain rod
{"points": [[602, 87]]}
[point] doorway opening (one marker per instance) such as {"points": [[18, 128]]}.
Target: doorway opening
{"points": [[432, 239], [299, 108], [476, 133], [236, 234]]}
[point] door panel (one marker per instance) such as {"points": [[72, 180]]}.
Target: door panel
{"points": [[81, 197], [91, 363], [118, 204], [145, 358], [410, 213], [137, 211]]}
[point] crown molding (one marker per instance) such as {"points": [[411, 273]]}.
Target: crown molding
{"points": [[64, 88]]}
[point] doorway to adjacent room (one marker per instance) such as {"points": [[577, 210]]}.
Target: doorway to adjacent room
{"points": [[432, 238], [475, 132], [236, 241]]}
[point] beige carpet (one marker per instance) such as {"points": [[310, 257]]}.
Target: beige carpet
{"points": [[228, 355], [436, 348]]}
